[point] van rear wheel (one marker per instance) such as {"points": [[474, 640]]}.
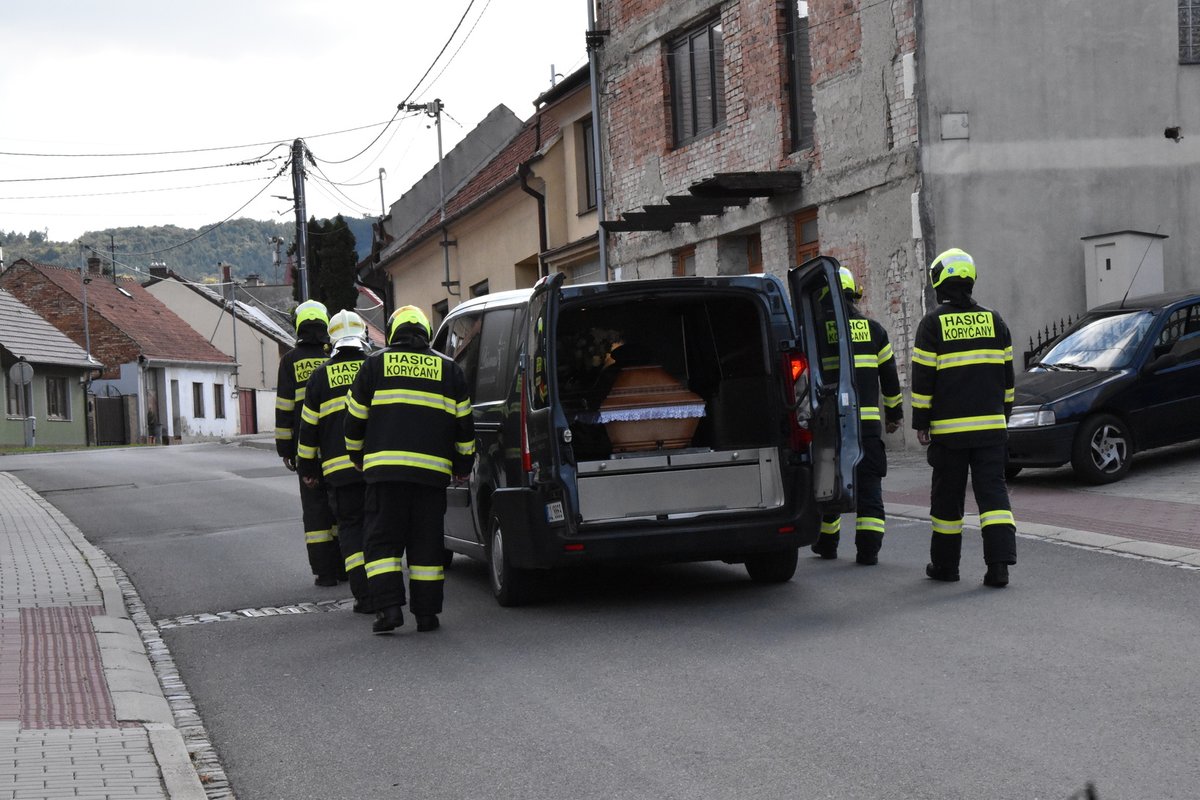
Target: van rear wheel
{"points": [[510, 586], [776, 567]]}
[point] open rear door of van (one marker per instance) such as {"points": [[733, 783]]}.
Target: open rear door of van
{"points": [[827, 403]]}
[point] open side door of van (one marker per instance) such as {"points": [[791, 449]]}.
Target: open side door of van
{"points": [[827, 402]]}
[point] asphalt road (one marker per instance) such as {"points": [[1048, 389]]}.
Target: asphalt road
{"points": [[670, 682]]}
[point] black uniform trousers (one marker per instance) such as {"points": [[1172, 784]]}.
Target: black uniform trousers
{"points": [[868, 492], [320, 532], [347, 504], [948, 496], [402, 518]]}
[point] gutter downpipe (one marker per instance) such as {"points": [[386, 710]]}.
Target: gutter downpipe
{"points": [[524, 172], [595, 39]]}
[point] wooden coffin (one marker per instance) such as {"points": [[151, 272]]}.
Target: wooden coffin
{"points": [[647, 409]]}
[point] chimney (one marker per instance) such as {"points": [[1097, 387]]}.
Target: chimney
{"points": [[93, 263], [253, 280], [226, 273], [158, 269]]}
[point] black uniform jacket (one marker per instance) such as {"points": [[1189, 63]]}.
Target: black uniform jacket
{"points": [[321, 451], [408, 416], [295, 368], [875, 374], [962, 376]]}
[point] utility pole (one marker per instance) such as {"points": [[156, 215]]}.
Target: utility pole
{"points": [[112, 256], [595, 40], [434, 109], [298, 153]]}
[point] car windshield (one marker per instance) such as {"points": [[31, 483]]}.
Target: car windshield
{"points": [[1100, 343]]}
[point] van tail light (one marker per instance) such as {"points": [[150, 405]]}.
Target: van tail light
{"points": [[526, 458], [795, 367]]}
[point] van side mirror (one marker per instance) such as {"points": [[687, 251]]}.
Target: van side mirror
{"points": [[1165, 361]]}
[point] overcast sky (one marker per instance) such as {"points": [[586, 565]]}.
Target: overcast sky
{"points": [[134, 76]]}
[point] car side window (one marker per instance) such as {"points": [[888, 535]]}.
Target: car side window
{"points": [[462, 344], [491, 382], [1181, 333]]}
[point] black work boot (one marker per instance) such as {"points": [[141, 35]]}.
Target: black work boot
{"points": [[387, 619], [947, 574], [325, 580], [868, 544], [363, 605], [826, 545], [427, 623], [997, 576]]}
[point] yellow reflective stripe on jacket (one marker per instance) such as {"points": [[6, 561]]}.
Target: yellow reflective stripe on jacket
{"points": [[414, 398], [401, 458], [996, 518], [1008, 353], [463, 409], [988, 422], [283, 433], [831, 527], [948, 526], [284, 404], [317, 537], [1010, 395], [309, 416], [874, 524], [969, 357], [868, 412], [354, 444], [383, 566], [332, 465], [891, 401], [922, 400], [355, 408], [924, 357], [866, 361], [306, 451], [332, 406], [354, 561], [885, 355], [300, 392], [422, 573], [465, 448], [830, 362]]}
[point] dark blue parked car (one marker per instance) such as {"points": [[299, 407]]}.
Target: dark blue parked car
{"points": [[1124, 378]]}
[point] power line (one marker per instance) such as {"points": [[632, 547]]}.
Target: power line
{"points": [[458, 49], [130, 191], [136, 174]]}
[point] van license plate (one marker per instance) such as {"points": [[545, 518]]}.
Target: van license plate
{"points": [[554, 512]]}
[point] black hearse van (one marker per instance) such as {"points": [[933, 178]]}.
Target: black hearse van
{"points": [[679, 419]]}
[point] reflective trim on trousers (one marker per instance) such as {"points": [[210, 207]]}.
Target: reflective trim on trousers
{"points": [[417, 572], [874, 524], [354, 560], [996, 518], [383, 566], [316, 537], [831, 527], [948, 526]]}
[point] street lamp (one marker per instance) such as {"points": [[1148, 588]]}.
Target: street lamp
{"points": [[382, 205]]}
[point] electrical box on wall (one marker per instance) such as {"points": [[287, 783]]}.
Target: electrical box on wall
{"points": [[1123, 263]]}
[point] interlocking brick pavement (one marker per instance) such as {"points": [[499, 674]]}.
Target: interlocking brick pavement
{"points": [[60, 733]]}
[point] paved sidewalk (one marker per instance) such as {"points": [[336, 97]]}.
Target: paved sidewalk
{"points": [[82, 714], [1153, 512]]}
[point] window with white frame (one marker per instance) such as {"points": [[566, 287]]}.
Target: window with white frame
{"points": [[218, 401], [198, 400], [58, 398], [587, 137], [18, 399], [697, 62]]}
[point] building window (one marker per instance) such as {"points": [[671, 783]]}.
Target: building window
{"points": [[1189, 31], [440, 309], [808, 243], [198, 400], [697, 61], [19, 399], [800, 99], [479, 289], [754, 259], [218, 401], [684, 262], [588, 172], [58, 398]]}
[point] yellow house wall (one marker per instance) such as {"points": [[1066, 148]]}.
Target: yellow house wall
{"points": [[561, 171]]}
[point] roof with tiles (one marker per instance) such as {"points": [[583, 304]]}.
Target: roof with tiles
{"points": [[496, 175], [158, 332], [26, 335]]}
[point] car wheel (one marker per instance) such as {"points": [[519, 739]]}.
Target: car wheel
{"points": [[1102, 449], [510, 586], [1011, 472], [776, 567]]}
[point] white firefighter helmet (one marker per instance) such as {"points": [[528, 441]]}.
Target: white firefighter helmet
{"points": [[347, 329]]}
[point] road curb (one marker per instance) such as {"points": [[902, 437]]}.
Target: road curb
{"points": [[1186, 556]]}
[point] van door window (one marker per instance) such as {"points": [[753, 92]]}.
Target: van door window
{"points": [[491, 382], [539, 396], [462, 344]]}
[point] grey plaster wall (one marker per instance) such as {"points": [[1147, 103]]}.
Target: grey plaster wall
{"points": [[1067, 105]]}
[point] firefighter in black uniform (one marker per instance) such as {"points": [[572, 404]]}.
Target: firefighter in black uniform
{"points": [[962, 395], [876, 379], [295, 368], [409, 428], [321, 449]]}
